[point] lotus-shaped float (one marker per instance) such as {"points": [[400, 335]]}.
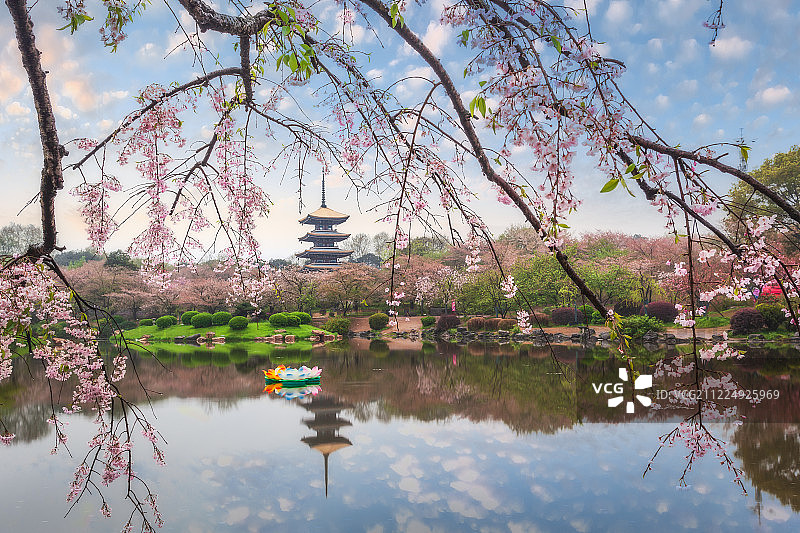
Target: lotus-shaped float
{"points": [[290, 393], [293, 377]]}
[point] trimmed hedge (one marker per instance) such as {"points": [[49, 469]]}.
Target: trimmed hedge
{"points": [[201, 320], [238, 323], [378, 321], [563, 316], [339, 325], [628, 308], [747, 320], [220, 318], [446, 322], [492, 324], [773, 315], [186, 318], [166, 321], [428, 321], [305, 318], [664, 311], [506, 324], [476, 324], [283, 320], [146, 322]]}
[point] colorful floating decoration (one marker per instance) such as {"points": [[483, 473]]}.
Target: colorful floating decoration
{"points": [[291, 383]]}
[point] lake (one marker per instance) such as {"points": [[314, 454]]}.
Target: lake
{"points": [[417, 438]]}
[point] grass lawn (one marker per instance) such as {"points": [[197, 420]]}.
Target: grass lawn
{"points": [[262, 329]]}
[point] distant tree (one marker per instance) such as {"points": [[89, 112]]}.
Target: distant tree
{"points": [[75, 258], [347, 285], [279, 263], [379, 243], [781, 174], [15, 238], [368, 259], [429, 246], [120, 259], [360, 243]]}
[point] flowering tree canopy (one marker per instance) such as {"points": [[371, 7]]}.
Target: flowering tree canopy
{"points": [[544, 93]]}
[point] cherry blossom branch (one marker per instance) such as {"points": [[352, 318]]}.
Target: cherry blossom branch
{"points": [[789, 209], [466, 123]]}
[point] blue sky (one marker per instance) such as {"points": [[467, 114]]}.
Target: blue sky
{"points": [[693, 93]]}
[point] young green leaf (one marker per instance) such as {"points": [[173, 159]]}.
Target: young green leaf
{"points": [[610, 185]]}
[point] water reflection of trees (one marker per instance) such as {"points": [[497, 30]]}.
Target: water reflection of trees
{"points": [[770, 456]]}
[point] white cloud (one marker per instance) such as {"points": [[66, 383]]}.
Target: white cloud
{"points": [[728, 48], [687, 87], [774, 95], [618, 11], [63, 112], [15, 109], [110, 96], [591, 5], [656, 45], [81, 93], [701, 120], [437, 37], [662, 101]]}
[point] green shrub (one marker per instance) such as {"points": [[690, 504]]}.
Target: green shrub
{"points": [[166, 321], [186, 318], [664, 311], [746, 320], [773, 315], [428, 321], [448, 321], [636, 326], [331, 313], [220, 318], [339, 325], [378, 321], [146, 322], [238, 323], [201, 320], [280, 320], [305, 318], [476, 324], [597, 318]]}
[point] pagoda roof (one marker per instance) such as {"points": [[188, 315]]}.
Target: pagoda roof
{"points": [[322, 266], [318, 424], [311, 235], [314, 252], [326, 214]]}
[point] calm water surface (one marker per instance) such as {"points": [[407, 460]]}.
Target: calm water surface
{"points": [[440, 439]]}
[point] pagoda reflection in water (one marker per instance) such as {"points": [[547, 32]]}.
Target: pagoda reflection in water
{"points": [[326, 424]]}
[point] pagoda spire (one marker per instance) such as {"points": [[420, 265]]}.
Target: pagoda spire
{"points": [[323, 191]]}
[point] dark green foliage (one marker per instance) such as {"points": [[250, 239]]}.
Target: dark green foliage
{"points": [[448, 321], [746, 320], [338, 325], [283, 320], [562, 316], [244, 309], [597, 318], [428, 321], [331, 313], [378, 321], [166, 321], [773, 315], [476, 324], [120, 259], [186, 318], [220, 318], [201, 320], [146, 322], [238, 323], [636, 326], [507, 324], [664, 311], [627, 308], [305, 318]]}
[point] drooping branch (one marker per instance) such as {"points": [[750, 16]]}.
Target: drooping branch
{"points": [[209, 19], [469, 130], [136, 115], [788, 208], [52, 151]]}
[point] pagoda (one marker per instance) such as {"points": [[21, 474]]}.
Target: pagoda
{"points": [[324, 254], [326, 424]]}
